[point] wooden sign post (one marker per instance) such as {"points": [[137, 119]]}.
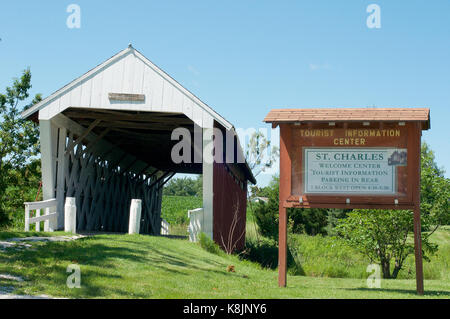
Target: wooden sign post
{"points": [[350, 158]]}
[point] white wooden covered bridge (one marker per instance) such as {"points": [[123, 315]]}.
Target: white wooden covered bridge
{"points": [[106, 139]]}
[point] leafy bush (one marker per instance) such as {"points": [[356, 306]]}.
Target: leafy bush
{"points": [[22, 187], [310, 221], [266, 214], [333, 217], [209, 245], [266, 217], [265, 253]]}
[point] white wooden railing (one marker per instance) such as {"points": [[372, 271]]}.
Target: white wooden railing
{"points": [[164, 227], [195, 223], [49, 218]]}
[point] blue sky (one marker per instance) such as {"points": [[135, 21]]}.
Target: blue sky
{"points": [[245, 57]]}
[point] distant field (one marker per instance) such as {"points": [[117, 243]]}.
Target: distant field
{"points": [[174, 208]]}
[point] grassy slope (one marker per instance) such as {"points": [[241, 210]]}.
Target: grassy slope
{"points": [[137, 266]]}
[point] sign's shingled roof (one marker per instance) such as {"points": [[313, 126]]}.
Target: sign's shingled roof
{"points": [[278, 116]]}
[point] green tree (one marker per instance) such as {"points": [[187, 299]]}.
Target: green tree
{"points": [[434, 191], [260, 191], [184, 187], [257, 153], [311, 221], [22, 187], [19, 141], [259, 157], [266, 214], [382, 235], [333, 217]]}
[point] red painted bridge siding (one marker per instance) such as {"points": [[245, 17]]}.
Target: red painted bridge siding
{"points": [[229, 197]]}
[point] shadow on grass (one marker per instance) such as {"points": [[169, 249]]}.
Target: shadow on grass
{"points": [[439, 293], [45, 267], [4, 235], [190, 258], [175, 236]]}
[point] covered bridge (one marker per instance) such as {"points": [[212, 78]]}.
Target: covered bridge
{"points": [[108, 137]]}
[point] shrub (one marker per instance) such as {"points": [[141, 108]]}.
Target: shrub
{"points": [[266, 217], [266, 214], [310, 221], [265, 253], [209, 245]]}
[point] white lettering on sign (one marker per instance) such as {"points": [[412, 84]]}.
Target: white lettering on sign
{"points": [[352, 170]]}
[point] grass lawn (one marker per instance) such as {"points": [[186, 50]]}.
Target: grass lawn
{"points": [[139, 266]]}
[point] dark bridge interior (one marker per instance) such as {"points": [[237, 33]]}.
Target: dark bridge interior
{"points": [[145, 135]]}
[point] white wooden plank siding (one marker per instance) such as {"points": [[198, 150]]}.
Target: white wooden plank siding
{"points": [[127, 72], [157, 89], [168, 97], [97, 89], [64, 102], [86, 91], [176, 99], [75, 96], [138, 76]]}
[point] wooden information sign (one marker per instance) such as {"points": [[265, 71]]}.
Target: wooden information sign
{"points": [[350, 158]]}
